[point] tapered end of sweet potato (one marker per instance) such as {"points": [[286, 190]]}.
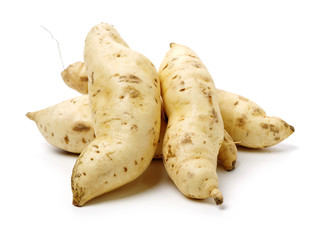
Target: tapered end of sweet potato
{"points": [[217, 196], [31, 115]]}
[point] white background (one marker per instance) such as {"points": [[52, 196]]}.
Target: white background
{"points": [[268, 51]]}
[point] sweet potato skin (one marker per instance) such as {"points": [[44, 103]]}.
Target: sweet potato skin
{"points": [[248, 124], [66, 125], [124, 94], [195, 129], [245, 121], [75, 77]]}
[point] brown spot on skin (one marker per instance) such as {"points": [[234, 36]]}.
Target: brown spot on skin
{"points": [[152, 130], [114, 175], [264, 125], [273, 128], [207, 93], [84, 174], [190, 174], [129, 78], [106, 182], [192, 56], [136, 163], [66, 139], [288, 126], [170, 154], [121, 97], [133, 93], [97, 151], [52, 134], [276, 138], [165, 67], [134, 127], [175, 76], [92, 159], [99, 90], [142, 158], [81, 128], [95, 146], [241, 122], [197, 65], [84, 79], [83, 140], [214, 115], [92, 77], [257, 112], [125, 169], [182, 90], [236, 103], [187, 139]]}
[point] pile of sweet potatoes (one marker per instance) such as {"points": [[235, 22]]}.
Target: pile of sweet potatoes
{"points": [[130, 113]]}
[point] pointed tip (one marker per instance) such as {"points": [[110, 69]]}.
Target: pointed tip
{"points": [[30, 115], [217, 196], [76, 203]]}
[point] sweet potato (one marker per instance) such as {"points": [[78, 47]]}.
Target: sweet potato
{"points": [[75, 77], [68, 126], [195, 128], [243, 119], [124, 94], [248, 124]]}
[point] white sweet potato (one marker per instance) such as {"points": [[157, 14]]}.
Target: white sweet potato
{"points": [[248, 124], [244, 120], [195, 128], [68, 126], [75, 77], [124, 94]]}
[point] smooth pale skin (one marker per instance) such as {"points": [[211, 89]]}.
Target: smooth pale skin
{"points": [[68, 126], [243, 119], [124, 94], [248, 124], [195, 128], [75, 77]]}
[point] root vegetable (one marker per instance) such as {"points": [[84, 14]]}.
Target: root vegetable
{"points": [[195, 129], [124, 93], [244, 120], [248, 124], [75, 77], [227, 156], [68, 126]]}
